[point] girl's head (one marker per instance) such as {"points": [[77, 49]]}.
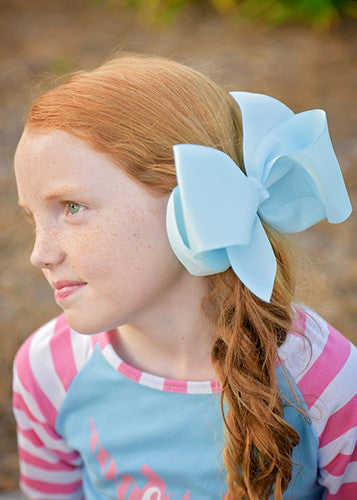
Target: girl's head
{"points": [[119, 123], [127, 113]]}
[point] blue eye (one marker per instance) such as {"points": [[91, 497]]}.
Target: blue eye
{"points": [[73, 208]]}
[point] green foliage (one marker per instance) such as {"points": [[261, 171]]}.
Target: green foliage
{"points": [[161, 12], [317, 13], [61, 66]]}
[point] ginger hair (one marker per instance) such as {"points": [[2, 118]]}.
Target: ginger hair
{"points": [[135, 108]]}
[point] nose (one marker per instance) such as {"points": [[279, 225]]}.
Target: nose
{"points": [[47, 250]]}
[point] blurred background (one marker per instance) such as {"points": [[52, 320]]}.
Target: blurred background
{"points": [[302, 52]]}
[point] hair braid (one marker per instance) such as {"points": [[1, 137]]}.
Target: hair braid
{"points": [[259, 443]]}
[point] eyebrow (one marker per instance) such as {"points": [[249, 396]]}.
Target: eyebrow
{"points": [[69, 193]]}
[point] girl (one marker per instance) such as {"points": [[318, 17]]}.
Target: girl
{"points": [[181, 367]]}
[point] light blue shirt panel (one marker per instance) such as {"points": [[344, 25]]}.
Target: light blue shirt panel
{"points": [[177, 436], [169, 432]]}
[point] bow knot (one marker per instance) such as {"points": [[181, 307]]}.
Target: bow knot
{"points": [[257, 186]]}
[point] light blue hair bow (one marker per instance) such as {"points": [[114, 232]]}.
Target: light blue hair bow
{"points": [[293, 181]]}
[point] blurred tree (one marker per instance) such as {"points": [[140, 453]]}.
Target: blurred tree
{"points": [[316, 13]]}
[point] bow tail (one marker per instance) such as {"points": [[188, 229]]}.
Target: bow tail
{"points": [[255, 264]]}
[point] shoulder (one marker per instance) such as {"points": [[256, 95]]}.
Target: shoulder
{"points": [[323, 364], [47, 362], [43, 369], [314, 347]]}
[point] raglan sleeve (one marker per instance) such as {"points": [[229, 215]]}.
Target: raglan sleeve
{"points": [[329, 387], [337, 452], [49, 468]]}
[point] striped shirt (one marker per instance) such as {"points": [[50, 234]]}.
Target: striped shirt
{"points": [[91, 426]]}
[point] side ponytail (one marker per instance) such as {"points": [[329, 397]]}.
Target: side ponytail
{"points": [[259, 442]]}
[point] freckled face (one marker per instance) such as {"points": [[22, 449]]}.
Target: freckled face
{"points": [[96, 228]]}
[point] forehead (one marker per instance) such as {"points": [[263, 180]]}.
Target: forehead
{"points": [[57, 160], [60, 155]]}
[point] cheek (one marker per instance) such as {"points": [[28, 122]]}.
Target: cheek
{"points": [[106, 250], [130, 245]]}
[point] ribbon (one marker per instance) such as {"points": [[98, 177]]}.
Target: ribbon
{"points": [[293, 181]]}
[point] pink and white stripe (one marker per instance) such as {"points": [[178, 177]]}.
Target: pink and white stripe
{"points": [[156, 382], [49, 468], [326, 374]]}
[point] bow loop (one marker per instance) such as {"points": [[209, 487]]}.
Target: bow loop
{"points": [[294, 159], [216, 196], [301, 173]]}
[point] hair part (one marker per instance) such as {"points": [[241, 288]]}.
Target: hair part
{"points": [[135, 108]]}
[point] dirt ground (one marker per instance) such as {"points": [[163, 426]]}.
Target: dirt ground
{"points": [[303, 68]]}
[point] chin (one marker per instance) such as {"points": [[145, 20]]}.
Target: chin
{"points": [[85, 326]]}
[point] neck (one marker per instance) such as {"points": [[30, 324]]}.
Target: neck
{"points": [[173, 339]]}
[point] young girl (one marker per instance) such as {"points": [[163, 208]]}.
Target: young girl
{"points": [[181, 368]]}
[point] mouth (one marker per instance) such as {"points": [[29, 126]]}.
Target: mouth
{"points": [[65, 288]]}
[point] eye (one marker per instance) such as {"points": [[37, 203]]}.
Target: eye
{"points": [[74, 208]]}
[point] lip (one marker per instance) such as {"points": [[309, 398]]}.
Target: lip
{"points": [[65, 288]]}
